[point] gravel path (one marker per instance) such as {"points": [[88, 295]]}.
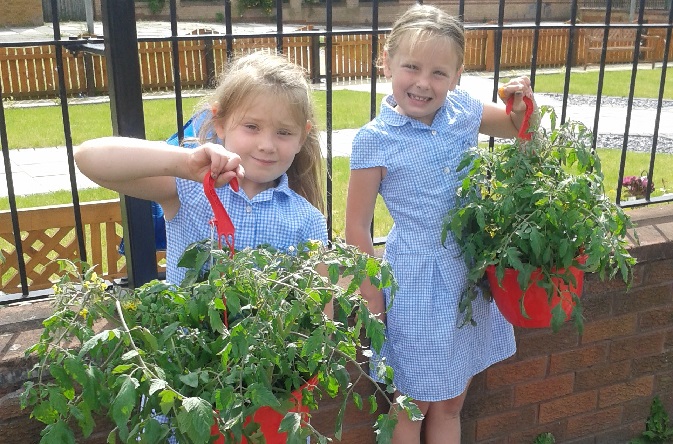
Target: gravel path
{"points": [[636, 142]]}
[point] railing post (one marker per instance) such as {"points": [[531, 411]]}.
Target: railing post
{"points": [[315, 59], [126, 106]]}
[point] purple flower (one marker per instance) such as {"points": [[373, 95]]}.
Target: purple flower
{"points": [[637, 186]]}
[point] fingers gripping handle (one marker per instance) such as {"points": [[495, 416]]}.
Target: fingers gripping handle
{"points": [[221, 220], [525, 124]]}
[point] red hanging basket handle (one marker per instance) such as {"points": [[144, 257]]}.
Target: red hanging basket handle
{"points": [[525, 124], [221, 220]]}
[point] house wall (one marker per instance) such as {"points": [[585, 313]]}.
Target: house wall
{"points": [[20, 13], [592, 388], [354, 12]]}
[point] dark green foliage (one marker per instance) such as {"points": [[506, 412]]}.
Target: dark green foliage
{"points": [[539, 204], [657, 429], [545, 438], [165, 348]]}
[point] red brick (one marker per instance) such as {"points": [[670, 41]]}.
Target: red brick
{"points": [[636, 346], [515, 372], [594, 285], [655, 319], [653, 364], [660, 274], [623, 434], [588, 378], [488, 402], [642, 299], [664, 383], [596, 306], [594, 422], [580, 358], [625, 391], [501, 425], [637, 409], [610, 328], [568, 406], [468, 431], [540, 343], [558, 429], [548, 388]]}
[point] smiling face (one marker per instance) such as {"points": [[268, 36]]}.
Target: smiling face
{"points": [[422, 74], [267, 136]]}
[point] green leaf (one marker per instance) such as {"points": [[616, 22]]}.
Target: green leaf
{"points": [[57, 433], [195, 419], [291, 424], [168, 398], [156, 385], [191, 379], [261, 395], [125, 401], [373, 404], [357, 400], [333, 271], [384, 426]]}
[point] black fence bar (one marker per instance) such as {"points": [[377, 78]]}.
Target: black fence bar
{"points": [[18, 245], [63, 98], [126, 106], [536, 42], [601, 73], [572, 32], [177, 80], [328, 111]]}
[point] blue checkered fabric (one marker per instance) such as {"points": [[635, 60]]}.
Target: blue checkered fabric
{"points": [[432, 358]]}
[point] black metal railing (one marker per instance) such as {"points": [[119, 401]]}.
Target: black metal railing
{"points": [[120, 49]]}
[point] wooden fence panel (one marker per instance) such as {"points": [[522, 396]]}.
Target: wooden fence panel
{"points": [[30, 72], [552, 47], [352, 56], [192, 59], [299, 50], [475, 49], [621, 44], [48, 233]]}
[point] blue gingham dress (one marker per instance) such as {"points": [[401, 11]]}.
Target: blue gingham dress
{"points": [[432, 358]]}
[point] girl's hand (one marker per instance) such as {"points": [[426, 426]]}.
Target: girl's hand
{"points": [[222, 164], [520, 88]]}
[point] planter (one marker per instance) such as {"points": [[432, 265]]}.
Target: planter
{"points": [[269, 420], [536, 303]]}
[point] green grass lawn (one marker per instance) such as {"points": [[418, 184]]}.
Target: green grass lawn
{"points": [[615, 83], [350, 109]]}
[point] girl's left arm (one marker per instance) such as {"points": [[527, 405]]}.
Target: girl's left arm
{"points": [[495, 121]]}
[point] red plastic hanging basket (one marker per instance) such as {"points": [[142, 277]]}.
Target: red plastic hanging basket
{"points": [[536, 303], [269, 420]]}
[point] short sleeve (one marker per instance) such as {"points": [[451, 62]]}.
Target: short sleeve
{"points": [[367, 149]]}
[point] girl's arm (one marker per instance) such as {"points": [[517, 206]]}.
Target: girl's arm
{"points": [[147, 170], [363, 188], [495, 121]]}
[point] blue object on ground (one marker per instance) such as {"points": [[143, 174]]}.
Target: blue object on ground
{"points": [[159, 229]]}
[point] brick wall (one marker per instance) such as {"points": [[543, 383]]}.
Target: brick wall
{"points": [[21, 13], [594, 388]]}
